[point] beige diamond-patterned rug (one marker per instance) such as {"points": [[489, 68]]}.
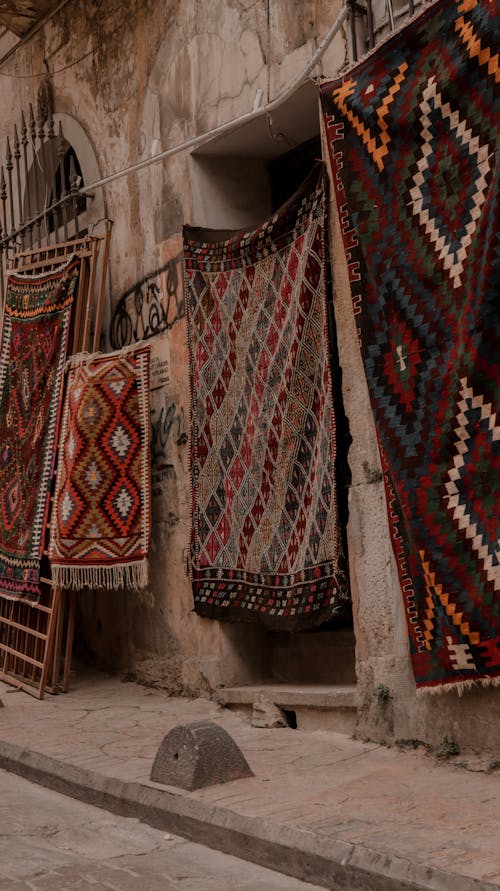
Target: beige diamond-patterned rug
{"points": [[266, 543]]}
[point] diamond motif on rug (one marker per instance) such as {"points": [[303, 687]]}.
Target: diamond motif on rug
{"points": [[413, 133], [101, 522], [11, 504], [93, 476], [266, 544], [450, 154], [471, 498], [120, 441]]}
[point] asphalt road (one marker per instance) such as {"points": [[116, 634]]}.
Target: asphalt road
{"points": [[49, 842]]}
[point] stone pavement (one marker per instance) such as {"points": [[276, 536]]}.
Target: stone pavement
{"points": [[321, 807], [51, 843]]}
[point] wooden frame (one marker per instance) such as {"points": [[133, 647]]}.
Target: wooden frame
{"points": [[88, 247], [36, 638]]}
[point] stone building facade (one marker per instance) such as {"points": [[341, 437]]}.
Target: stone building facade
{"points": [[130, 80]]}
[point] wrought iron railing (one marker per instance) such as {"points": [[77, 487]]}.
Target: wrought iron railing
{"points": [[40, 181]]}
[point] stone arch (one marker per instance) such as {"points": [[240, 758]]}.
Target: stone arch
{"points": [[44, 182]]}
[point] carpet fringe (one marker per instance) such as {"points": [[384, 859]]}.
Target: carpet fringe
{"points": [[124, 575], [459, 687]]}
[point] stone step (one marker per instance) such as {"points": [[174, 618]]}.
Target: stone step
{"points": [[313, 706]]}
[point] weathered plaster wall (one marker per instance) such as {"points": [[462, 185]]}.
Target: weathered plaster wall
{"points": [[143, 76]]}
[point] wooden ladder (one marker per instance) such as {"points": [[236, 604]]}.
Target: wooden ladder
{"points": [[36, 639]]}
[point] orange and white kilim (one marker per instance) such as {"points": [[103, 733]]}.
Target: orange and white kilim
{"points": [[101, 522]]}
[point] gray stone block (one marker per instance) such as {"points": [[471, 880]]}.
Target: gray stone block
{"points": [[198, 754], [266, 714]]}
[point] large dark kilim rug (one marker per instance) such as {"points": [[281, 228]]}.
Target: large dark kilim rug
{"points": [[266, 545], [101, 522], [33, 351], [413, 138]]}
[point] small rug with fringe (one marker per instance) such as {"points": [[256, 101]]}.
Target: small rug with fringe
{"points": [[413, 136], [101, 522], [266, 544], [35, 334]]}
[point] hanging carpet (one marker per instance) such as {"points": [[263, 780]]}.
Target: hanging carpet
{"points": [[35, 333], [413, 136], [266, 544], [101, 520]]}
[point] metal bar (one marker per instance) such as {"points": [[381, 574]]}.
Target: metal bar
{"points": [[10, 166], [3, 198], [17, 157], [43, 171], [2, 285], [32, 127], [74, 181], [51, 136], [24, 143], [61, 150], [38, 218]]}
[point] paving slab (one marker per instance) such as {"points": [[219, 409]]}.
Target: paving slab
{"points": [[50, 842], [321, 806]]}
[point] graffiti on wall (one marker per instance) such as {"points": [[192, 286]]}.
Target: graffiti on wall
{"points": [[154, 304], [168, 433], [167, 424], [168, 427], [149, 310]]}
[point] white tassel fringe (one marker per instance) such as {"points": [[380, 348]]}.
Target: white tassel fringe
{"points": [[127, 575]]}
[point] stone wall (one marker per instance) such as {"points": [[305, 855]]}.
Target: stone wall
{"points": [[137, 78]]}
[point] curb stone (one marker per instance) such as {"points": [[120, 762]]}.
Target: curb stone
{"points": [[337, 865]]}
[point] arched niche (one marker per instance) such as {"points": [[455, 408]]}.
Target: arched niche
{"points": [[48, 179]]}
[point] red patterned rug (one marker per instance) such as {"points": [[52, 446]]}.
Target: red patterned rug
{"points": [[101, 521], [35, 334], [413, 133], [266, 544]]}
